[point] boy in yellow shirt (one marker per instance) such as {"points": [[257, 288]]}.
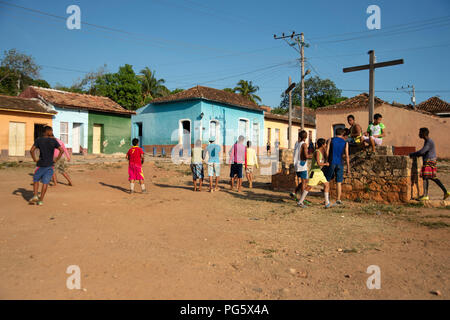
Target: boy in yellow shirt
{"points": [[251, 160]]}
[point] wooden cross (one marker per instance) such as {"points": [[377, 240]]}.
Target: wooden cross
{"points": [[371, 67]]}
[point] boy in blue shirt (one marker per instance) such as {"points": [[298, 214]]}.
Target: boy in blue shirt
{"points": [[213, 153]]}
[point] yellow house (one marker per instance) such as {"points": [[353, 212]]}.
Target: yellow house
{"points": [[276, 129], [21, 122]]}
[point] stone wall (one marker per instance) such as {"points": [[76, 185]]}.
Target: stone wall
{"points": [[382, 177]]}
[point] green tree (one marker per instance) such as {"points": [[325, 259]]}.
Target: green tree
{"points": [[318, 93], [123, 87], [176, 90], [151, 86], [17, 68], [229, 90], [40, 83], [247, 90]]}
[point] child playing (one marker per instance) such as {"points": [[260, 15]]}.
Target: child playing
{"points": [[237, 159], [44, 169], [251, 160], [316, 176], [197, 165], [301, 167], [61, 164], [375, 132], [429, 169], [135, 157], [213, 152]]}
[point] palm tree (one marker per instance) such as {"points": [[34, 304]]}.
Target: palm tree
{"points": [[151, 86], [228, 90], [247, 89]]}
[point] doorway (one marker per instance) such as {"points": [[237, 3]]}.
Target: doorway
{"points": [[97, 138], [76, 138], [139, 132]]}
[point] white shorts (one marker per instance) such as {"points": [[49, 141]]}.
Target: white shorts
{"points": [[378, 141]]}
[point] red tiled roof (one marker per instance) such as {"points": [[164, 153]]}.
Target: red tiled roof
{"points": [[361, 100], [25, 104], [285, 118], [434, 105], [200, 92], [75, 100]]}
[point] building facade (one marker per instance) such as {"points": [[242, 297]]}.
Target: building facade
{"points": [[86, 123], [21, 122], [195, 114]]}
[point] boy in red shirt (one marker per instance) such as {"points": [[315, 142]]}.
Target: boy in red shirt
{"points": [[135, 157]]}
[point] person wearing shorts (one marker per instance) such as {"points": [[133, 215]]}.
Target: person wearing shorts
{"points": [[336, 149], [44, 171], [61, 166], [251, 161], [375, 132], [135, 157], [300, 164], [213, 156], [237, 159], [197, 165], [429, 168], [316, 176]]}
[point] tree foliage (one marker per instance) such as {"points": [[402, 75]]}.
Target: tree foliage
{"points": [[318, 93], [247, 89], [151, 86]]}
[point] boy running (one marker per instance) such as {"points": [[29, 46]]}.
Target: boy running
{"points": [[301, 167], [336, 148], [61, 164], [251, 161], [375, 132], [44, 169], [316, 176], [429, 169], [197, 165], [237, 159], [135, 157], [213, 152]]}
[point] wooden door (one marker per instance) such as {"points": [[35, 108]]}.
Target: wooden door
{"points": [[17, 139], [97, 137], [76, 138]]}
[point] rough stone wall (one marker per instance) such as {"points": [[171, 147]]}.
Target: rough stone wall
{"points": [[382, 177]]}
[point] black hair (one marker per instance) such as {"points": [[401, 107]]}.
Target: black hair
{"points": [[249, 143], [135, 141], [350, 117], [377, 116], [339, 131], [320, 142], [424, 131], [303, 134], [346, 132], [48, 128]]}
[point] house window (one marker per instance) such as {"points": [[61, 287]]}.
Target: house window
{"points": [[64, 132], [243, 128], [337, 126]]}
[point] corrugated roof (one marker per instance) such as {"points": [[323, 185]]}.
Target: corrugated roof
{"points": [[24, 104], [75, 100], [211, 94], [434, 105]]}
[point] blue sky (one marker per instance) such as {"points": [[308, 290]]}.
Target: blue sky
{"points": [[216, 43]]}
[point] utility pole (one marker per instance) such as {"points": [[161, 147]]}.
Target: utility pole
{"points": [[411, 92], [371, 67], [301, 45], [289, 92]]}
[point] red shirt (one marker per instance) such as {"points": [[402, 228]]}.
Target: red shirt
{"points": [[134, 155]]}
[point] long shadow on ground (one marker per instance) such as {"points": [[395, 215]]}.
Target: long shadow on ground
{"points": [[115, 187], [26, 194]]}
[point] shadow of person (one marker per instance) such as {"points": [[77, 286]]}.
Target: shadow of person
{"points": [[175, 186], [26, 194], [115, 187]]}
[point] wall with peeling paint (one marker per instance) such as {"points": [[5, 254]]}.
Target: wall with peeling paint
{"points": [[116, 131]]}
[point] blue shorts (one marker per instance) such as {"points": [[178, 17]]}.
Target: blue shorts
{"points": [[335, 170], [302, 174], [236, 170], [43, 174]]}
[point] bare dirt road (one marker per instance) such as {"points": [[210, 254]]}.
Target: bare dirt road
{"points": [[173, 243]]}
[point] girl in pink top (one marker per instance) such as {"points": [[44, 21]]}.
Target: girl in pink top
{"points": [[61, 165]]}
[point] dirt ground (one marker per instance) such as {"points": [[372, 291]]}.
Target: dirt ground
{"points": [[173, 243]]}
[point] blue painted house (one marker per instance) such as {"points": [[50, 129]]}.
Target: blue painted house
{"points": [[200, 112]]}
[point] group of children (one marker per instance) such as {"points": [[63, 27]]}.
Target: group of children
{"points": [[241, 157], [327, 161]]}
